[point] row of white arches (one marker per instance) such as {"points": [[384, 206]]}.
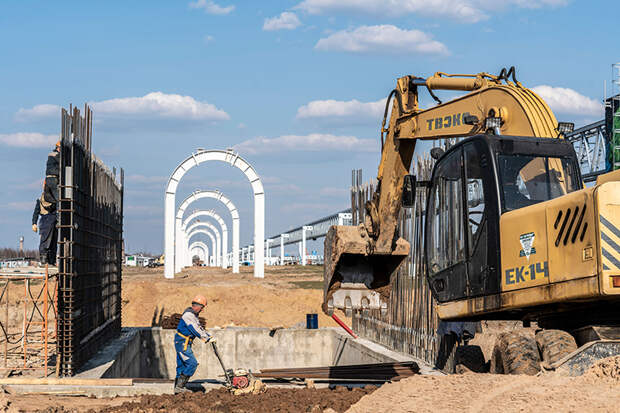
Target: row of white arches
{"points": [[179, 249]]}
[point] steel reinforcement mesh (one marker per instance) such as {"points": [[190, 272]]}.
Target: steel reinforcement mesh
{"points": [[90, 243], [410, 324]]}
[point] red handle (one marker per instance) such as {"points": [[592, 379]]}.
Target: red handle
{"points": [[343, 325]]}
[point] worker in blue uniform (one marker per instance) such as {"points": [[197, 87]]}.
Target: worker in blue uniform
{"points": [[188, 329]]}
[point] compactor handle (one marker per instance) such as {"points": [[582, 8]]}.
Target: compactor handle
{"points": [[219, 358]]}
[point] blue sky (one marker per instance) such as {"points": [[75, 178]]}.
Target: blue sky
{"points": [[297, 87]]}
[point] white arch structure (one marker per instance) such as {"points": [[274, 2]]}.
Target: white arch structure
{"points": [[199, 252], [223, 252], [200, 246], [217, 248], [208, 233], [232, 158], [218, 196]]}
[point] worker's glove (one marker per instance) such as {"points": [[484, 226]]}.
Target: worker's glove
{"points": [[211, 339], [34, 227]]}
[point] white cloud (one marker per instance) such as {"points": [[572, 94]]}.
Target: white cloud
{"points": [[37, 112], [158, 104], [568, 101], [313, 142], [382, 39], [468, 11], [28, 140], [285, 21], [211, 7], [337, 109]]}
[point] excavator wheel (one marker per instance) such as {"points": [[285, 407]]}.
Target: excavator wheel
{"points": [[470, 358], [554, 345], [515, 353]]}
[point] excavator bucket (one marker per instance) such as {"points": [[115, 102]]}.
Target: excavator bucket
{"points": [[354, 277]]}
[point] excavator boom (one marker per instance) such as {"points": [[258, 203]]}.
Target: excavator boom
{"points": [[360, 261]]}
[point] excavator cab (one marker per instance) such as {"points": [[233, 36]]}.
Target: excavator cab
{"points": [[472, 185]]}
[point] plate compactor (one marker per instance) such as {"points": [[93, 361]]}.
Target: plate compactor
{"points": [[239, 381]]}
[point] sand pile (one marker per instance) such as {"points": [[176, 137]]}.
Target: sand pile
{"points": [[473, 392], [608, 369]]}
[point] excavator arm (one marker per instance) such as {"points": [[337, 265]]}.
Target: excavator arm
{"points": [[360, 261]]}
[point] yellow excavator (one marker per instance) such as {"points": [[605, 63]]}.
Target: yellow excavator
{"points": [[511, 232]]}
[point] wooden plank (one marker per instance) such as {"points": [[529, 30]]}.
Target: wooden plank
{"points": [[28, 381]]}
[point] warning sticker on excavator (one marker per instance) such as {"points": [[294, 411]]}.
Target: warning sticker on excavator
{"points": [[527, 243]]}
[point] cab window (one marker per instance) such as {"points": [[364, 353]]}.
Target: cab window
{"points": [[447, 239], [527, 180]]}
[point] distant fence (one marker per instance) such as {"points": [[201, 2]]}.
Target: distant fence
{"points": [[410, 323], [90, 246]]}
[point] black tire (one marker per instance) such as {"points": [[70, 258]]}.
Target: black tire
{"points": [[515, 353], [472, 358], [554, 345]]}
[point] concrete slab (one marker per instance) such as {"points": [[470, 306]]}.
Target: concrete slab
{"points": [[137, 389]]}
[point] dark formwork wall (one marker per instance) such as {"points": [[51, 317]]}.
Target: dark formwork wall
{"points": [[90, 243]]}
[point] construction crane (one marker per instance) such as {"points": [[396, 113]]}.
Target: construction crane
{"points": [[510, 230]]}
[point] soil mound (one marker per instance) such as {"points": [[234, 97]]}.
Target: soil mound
{"points": [[607, 368], [172, 321], [273, 400], [474, 392]]}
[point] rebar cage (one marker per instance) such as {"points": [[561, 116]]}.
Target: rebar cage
{"points": [[410, 324], [90, 225]]}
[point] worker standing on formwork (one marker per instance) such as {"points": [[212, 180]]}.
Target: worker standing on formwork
{"points": [[45, 207], [188, 329]]}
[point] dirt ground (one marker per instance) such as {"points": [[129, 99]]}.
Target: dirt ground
{"points": [[281, 299], [220, 400], [597, 391], [273, 400]]}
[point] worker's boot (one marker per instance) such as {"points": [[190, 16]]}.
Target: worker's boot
{"points": [[179, 384]]}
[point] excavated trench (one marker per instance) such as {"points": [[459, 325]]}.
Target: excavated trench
{"points": [[149, 352], [147, 356]]}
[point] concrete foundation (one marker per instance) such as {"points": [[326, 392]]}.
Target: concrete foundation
{"points": [[149, 352], [148, 355]]}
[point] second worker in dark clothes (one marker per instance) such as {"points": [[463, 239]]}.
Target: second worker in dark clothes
{"points": [[45, 214], [46, 208], [52, 169]]}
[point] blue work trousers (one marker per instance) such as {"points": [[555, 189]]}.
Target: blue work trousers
{"points": [[49, 237], [186, 361]]}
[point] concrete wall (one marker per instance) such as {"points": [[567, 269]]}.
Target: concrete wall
{"points": [[118, 358], [149, 352]]}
